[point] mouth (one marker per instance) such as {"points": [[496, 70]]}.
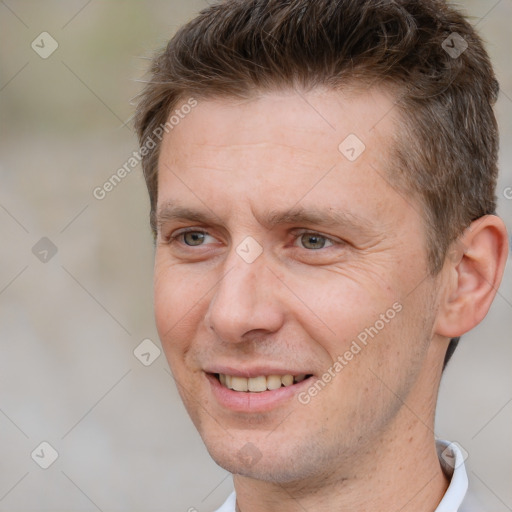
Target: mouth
{"points": [[255, 390], [259, 384]]}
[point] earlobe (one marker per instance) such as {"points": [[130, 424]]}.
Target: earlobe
{"points": [[473, 271]]}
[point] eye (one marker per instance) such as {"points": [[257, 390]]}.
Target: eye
{"points": [[313, 241], [192, 238]]}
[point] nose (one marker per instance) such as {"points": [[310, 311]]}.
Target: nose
{"points": [[245, 302]]}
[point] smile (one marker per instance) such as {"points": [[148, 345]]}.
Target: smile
{"points": [[260, 383], [259, 390]]}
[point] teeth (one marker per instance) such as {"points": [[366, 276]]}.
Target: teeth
{"points": [[256, 384], [274, 382], [287, 380], [240, 384], [259, 384]]}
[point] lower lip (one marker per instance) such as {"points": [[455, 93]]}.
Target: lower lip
{"points": [[264, 401]]}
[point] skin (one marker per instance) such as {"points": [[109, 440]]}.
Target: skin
{"points": [[366, 440]]}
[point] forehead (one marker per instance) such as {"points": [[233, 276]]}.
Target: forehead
{"points": [[282, 148], [298, 123]]}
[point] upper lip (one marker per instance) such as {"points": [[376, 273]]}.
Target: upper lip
{"points": [[254, 371]]}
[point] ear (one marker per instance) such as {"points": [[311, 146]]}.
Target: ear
{"points": [[471, 276]]}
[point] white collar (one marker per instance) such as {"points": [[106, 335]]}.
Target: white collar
{"points": [[452, 461]]}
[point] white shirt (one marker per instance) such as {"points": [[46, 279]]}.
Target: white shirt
{"points": [[452, 462]]}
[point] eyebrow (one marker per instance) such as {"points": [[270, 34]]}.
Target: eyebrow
{"points": [[169, 212], [330, 217]]}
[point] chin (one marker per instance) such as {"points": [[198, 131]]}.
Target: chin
{"points": [[277, 462], [267, 471]]}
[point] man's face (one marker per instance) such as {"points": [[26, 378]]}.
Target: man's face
{"points": [[281, 252]]}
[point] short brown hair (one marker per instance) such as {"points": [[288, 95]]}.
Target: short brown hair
{"points": [[424, 50]]}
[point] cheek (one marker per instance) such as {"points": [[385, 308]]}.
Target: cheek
{"points": [[178, 299], [343, 304], [362, 323]]}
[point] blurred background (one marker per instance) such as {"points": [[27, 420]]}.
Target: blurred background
{"points": [[76, 278]]}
